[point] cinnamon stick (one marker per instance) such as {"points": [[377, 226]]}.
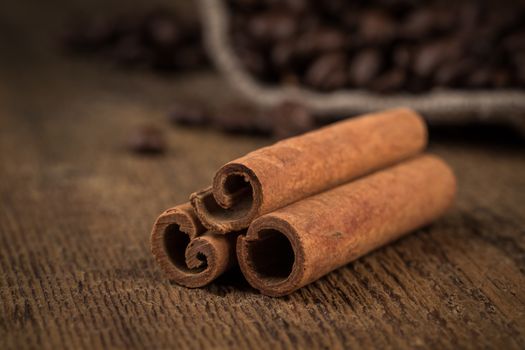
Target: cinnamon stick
{"points": [[297, 244], [188, 253], [290, 170]]}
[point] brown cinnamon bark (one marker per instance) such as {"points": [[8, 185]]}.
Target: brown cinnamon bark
{"points": [[275, 176], [297, 244], [186, 251]]}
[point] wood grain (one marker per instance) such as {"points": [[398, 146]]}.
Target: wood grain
{"points": [[76, 210]]}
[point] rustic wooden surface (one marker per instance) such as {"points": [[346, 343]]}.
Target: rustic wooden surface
{"points": [[76, 210]]}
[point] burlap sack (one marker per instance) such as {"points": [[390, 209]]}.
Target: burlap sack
{"points": [[443, 106]]}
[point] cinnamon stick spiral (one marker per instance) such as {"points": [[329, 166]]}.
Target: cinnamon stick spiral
{"points": [[188, 253]]}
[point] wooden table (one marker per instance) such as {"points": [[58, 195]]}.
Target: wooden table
{"points": [[76, 209]]}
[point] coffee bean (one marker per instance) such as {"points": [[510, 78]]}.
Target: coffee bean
{"points": [[252, 62], [480, 78], [389, 82], [297, 6], [402, 56], [376, 27], [327, 72], [419, 23], [431, 56], [364, 67], [189, 114], [468, 17], [427, 59], [241, 118], [515, 42], [282, 53], [320, 40], [290, 78], [276, 25], [244, 4], [499, 78], [453, 74], [333, 7], [350, 20], [416, 85], [519, 65], [147, 139], [290, 119]]}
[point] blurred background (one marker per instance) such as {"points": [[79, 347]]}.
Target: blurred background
{"points": [[279, 68], [112, 111]]}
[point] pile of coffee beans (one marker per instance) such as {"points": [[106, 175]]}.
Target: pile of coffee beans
{"points": [[147, 139], [285, 120], [157, 38], [381, 45]]}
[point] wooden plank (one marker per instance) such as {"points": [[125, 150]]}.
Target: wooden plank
{"points": [[76, 209]]}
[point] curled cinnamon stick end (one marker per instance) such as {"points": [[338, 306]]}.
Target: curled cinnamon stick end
{"points": [[298, 244], [186, 252], [232, 202], [295, 168]]}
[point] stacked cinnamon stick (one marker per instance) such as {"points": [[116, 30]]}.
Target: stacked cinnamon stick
{"points": [[294, 211]]}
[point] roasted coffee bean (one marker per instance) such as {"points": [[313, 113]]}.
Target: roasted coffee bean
{"points": [[500, 78], [468, 17], [389, 81], [519, 64], [320, 40], [327, 72], [364, 67], [147, 139], [431, 56], [331, 8], [417, 85], [191, 114], [276, 25], [428, 58], [290, 119], [376, 27], [350, 20], [241, 118], [289, 78], [503, 18], [453, 74], [297, 6], [252, 62], [479, 78], [483, 48], [515, 42], [402, 57], [244, 4], [282, 53], [420, 23]]}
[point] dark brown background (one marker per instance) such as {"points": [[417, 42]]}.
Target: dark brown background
{"points": [[76, 209]]}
